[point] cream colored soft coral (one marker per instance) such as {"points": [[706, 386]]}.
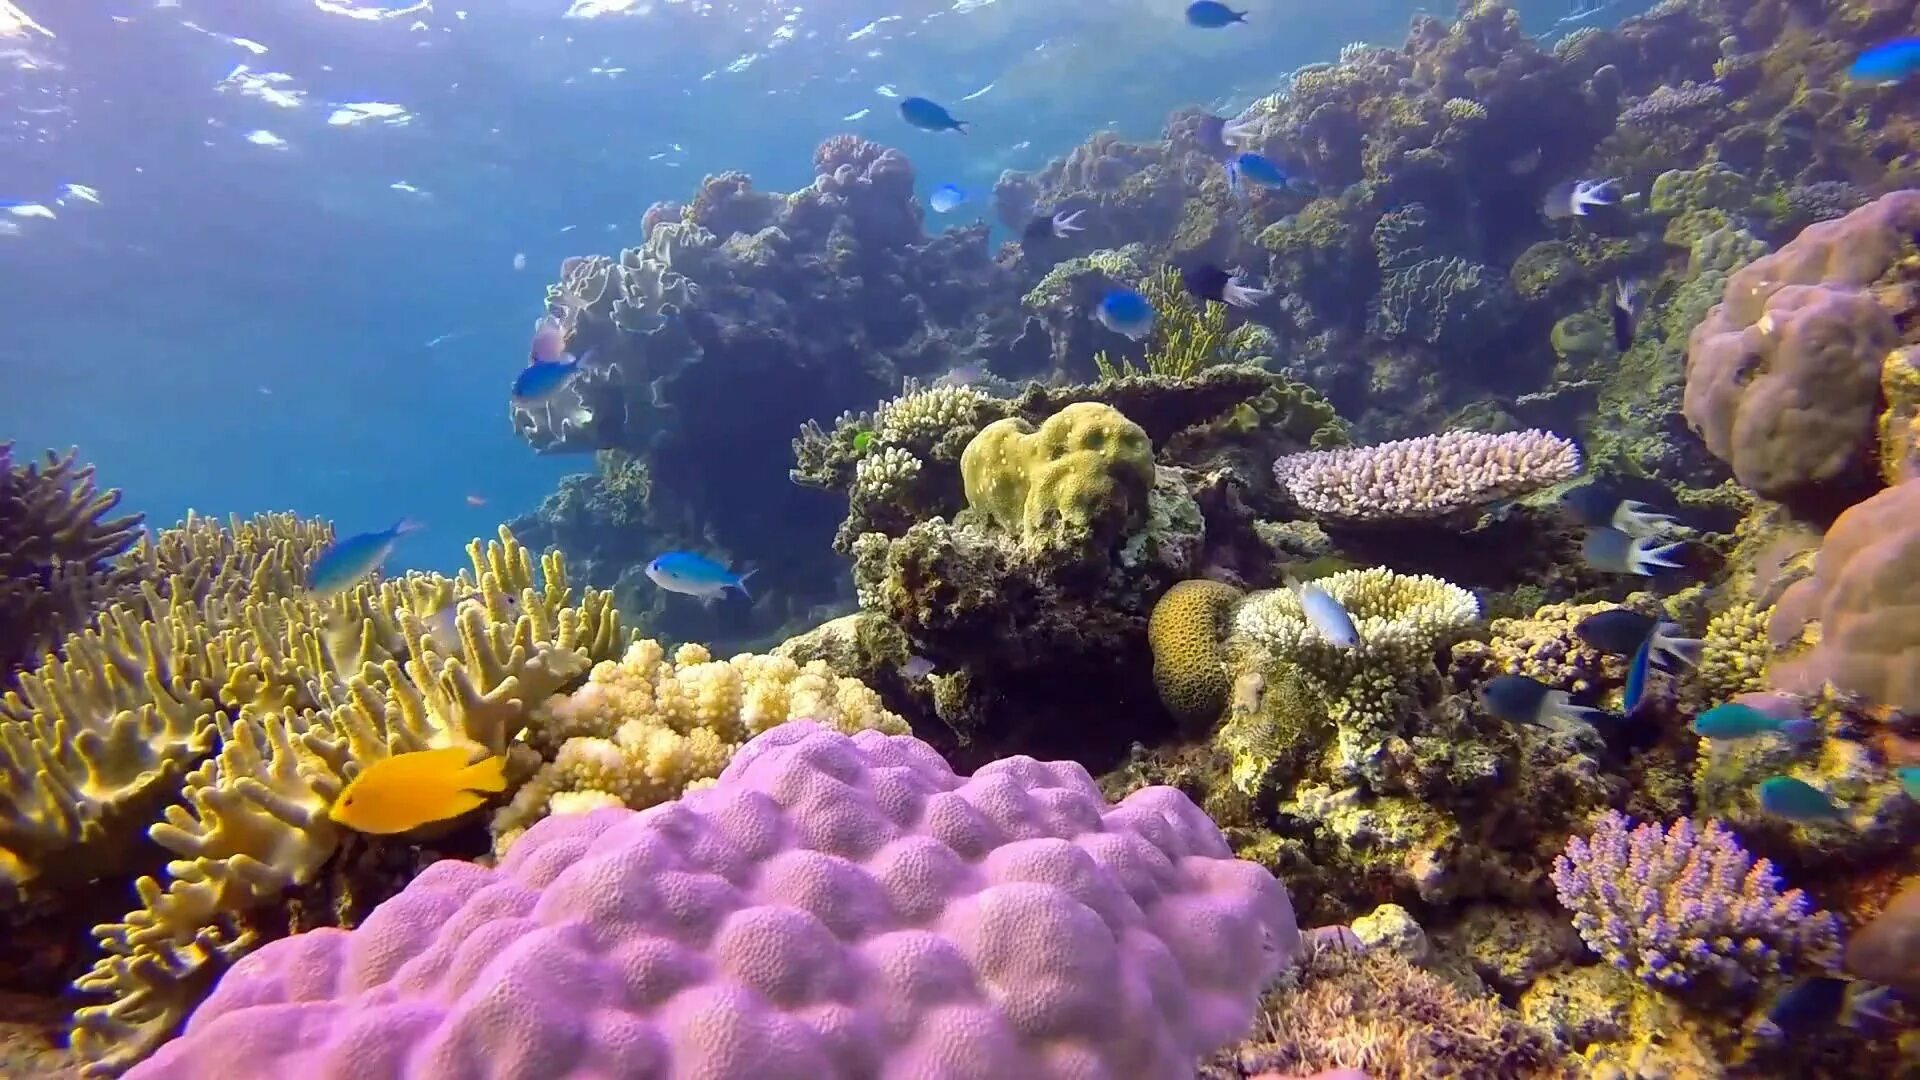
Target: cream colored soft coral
{"points": [[644, 730]]}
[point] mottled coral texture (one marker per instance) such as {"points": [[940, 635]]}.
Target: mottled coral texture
{"points": [[1431, 476], [832, 907], [1673, 905], [1864, 596], [1783, 374]]}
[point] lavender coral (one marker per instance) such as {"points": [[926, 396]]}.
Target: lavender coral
{"points": [[1672, 905], [1427, 477], [832, 907]]}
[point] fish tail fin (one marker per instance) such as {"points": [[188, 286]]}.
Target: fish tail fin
{"points": [[1644, 559], [1238, 16], [961, 126], [405, 526], [1233, 178], [1681, 650], [487, 774], [1636, 518], [741, 583]]}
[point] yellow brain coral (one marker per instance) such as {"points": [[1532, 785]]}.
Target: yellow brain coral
{"points": [[645, 729], [1081, 478], [1185, 632]]}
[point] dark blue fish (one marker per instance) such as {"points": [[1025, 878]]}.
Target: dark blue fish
{"points": [[1626, 312], [1600, 505], [1052, 227], [1520, 700], [1821, 1002], [1617, 553], [1636, 692], [1124, 311], [1209, 282], [349, 560], [1212, 15], [1622, 631], [539, 381], [1257, 169], [1889, 62], [928, 116]]}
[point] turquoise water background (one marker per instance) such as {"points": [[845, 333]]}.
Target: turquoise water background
{"points": [[326, 319]]}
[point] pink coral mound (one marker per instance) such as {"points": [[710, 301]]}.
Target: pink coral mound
{"points": [[1427, 477], [832, 907]]}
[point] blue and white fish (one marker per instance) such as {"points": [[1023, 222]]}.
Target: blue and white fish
{"points": [[1621, 632], [1887, 63], [1124, 311], [349, 560], [21, 209], [79, 192], [1212, 15], [696, 575], [1518, 699], [1053, 226], [1599, 504], [1326, 616], [928, 116], [946, 197], [1617, 553], [1577, 198], [1257, 169]]}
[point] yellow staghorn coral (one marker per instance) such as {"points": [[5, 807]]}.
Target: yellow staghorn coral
{"points": [[1185, 632], [1543, 646], [1401, 620], [1733, 655], [306, 694], [645, 729], [1187, 335]]}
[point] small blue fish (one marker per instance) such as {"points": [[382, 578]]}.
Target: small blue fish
{"points": [[349, 560], [927, 116], [1737, 720], [1212, 15], [696, 575], [1909, 780], [946, 197], [1577, 198], [1518, 699], [539, 381], [1258, 169], [1621, 632], [1816, 1004], [1124, 311], [1327, 616], [1889, 62], [1635, 694], [1617, 553], [1597, 504], [1797, 800]]}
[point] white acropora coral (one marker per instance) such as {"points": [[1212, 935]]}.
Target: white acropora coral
{"points": [[1430, 476], [881, 476], [918, 421]]}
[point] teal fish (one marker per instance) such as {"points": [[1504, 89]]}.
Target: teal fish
{"points": [[1797, 800], [349, 560], [1909, 780], [1737, 720]]}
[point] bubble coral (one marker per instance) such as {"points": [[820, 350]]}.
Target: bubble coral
{"points": [[1865, 597], [1077, 482], [1675, 905], [832, 907], [1427, 477], [1783, 374], [1185, 631], [645, 729]]}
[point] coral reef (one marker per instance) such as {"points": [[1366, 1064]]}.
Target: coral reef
{"points": [[812, 914], [1428, 477], [1683, 903]]}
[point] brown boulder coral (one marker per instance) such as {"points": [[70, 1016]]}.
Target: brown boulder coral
{"points": [[1783, 375], [1865, 597]]}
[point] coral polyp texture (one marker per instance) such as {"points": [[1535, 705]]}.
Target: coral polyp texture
{"points": [[1675, 905], [1432, 476], [1078, 480], [832, 907], [644, 729], [1861, 607], [1186, 631], [1783, 375]]}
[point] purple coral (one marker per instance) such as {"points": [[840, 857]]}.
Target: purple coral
{"points": [[832, 907], [1431, 476], [1673, 905], [1670, 104]]}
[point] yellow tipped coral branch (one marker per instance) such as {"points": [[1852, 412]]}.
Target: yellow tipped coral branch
{"points": [[1187, 335]]}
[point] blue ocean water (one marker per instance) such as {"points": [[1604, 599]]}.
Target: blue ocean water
{"points": [[298, 286]]}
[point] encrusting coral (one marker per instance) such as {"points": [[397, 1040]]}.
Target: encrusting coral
{"points": [[1431, 476], [644, 730], [299, 694], [832, 906]]}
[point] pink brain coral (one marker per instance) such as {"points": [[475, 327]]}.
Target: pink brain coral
{"points": [[1783, 375], [832, 907]]}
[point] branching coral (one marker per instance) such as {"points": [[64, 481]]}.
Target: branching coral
{"points": [[1675, 905], [1733, 654], [1541, 646], [1188, 335], [645, 729], [1427, 477], [57, 550]]}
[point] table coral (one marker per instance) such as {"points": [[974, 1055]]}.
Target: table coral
{"points": [[832, 907], [1186, 629], [641, 731], [1783, 376], [303, 693], [1431, 476], [1864, 600], [1078, 481], [1675, 905], [57, 554]]}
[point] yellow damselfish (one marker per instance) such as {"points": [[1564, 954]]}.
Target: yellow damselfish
{"points": [[407, 791]]}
